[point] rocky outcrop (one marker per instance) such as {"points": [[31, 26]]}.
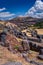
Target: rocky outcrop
{"points": [[24, 46], [19, 34], [40, 56], [9, 41], [41, 51], [33, 62]]}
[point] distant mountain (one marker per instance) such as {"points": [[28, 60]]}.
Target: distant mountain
{"points": [[24, 22], [26, 19]]}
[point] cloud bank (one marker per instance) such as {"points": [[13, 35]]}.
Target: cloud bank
{"points": [[36, 11], [1, 9], [5, 15]]}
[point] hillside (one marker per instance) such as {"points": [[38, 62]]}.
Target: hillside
{"points": [[39, 24], [25, 22], [16, 45]]}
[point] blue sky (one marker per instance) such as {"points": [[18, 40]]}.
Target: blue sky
{"points": [[17, 7]]}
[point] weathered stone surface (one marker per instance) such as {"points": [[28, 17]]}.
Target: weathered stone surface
{"points": [[41, 51], [25, 45], [40, 57], [20, 34], [9, 41], [13, 63], [26, 57], [39, 38], [34, 39], [35, 63], [35, 46], [30, 61], [33, 33], [2, 43], [3, 36], [20, 49]]}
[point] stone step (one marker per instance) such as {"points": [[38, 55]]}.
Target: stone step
{"points": [[35, 46], [35, 39]]}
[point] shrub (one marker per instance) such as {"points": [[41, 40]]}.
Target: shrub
{"points": [[16, 47]]}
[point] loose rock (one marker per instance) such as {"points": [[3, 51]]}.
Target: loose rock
{"points": [[13, 63]]}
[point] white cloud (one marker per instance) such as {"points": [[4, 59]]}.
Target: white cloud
{"points": [[22, 16], [1, 9], [5, 15], [36, 10]]}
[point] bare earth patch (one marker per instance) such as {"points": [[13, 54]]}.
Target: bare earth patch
{"points": [[6, 56], [40, 31]]}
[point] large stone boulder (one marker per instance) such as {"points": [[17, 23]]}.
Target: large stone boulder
{"points": [[12, 41], [39, 38], [33, 33], [41, 51], [9, 41], [20, 49], [25, 45], [20, 34], [2, 36], [35, 63], [40, 57]]}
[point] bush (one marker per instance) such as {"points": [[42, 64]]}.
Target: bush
{"points": [[39, 24], [16, 47]]}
